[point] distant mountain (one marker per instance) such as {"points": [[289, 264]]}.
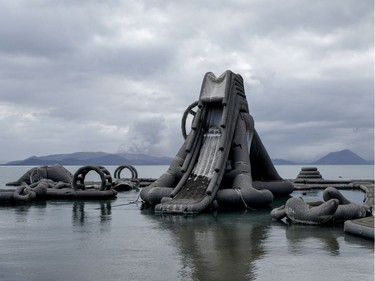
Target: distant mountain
{"points": [[343, 157], [93, 158], [282, 162], [142, 158]]}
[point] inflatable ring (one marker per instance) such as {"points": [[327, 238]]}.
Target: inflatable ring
{"points": [[189, 110], [132, 170], [24, 193], [79, 177]]}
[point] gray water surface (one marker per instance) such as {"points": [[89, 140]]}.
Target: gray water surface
{"points": [[114, 240], [64, 240]]}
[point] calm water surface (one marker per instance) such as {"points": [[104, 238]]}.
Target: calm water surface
{"points": [[114, 240]]}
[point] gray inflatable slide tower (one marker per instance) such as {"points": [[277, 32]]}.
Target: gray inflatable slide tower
{"points": [[222, 163]]}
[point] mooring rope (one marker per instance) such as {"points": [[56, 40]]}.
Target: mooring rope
{"points": [[240, 193], [136, 201]]}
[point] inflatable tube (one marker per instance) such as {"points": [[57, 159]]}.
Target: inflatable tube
{"points": [[133, 171], [280, 188], [41, 189], [79, 177], [243, 198], [6, 196], [278, 213], [243, 194], [333, 193], [309, 169], [57, 185], [360, 227], [155, 195], [125, 185], [189, 110], [346, 209], [300, 212], [350, 212], [68, 193], [309, 176], [309, 173], [23, 194]]}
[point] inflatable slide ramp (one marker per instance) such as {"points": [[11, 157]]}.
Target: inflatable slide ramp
{"points": [[206, 145]]}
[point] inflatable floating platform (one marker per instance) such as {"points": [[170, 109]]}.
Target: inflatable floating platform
{"points": [[56, 182]]}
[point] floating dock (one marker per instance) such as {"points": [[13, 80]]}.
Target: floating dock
{"points": [[363, 227]]}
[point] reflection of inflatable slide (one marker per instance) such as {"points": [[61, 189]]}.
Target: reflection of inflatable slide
{"points": [[222, 161]]}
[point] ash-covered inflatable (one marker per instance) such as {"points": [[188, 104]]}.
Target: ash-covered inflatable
{"points": [[222, 163], [334, 209], [56, 182], [55, 173]]}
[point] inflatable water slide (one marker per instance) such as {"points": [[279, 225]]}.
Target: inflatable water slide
{"points": [[222, 163]]}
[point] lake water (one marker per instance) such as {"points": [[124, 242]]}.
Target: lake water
{"points": [[114, 240]]}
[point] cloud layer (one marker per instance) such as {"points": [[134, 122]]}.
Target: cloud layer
{"points": [[117, 75]]}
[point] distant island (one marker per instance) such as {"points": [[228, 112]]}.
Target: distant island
{"points": [[92, 158], [343, 157]]}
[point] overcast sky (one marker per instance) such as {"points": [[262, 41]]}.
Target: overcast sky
{"points": [[117, 75]]}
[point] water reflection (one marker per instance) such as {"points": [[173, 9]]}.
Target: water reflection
{"points": [[82, 217], [239, 246], [105, 211], [221, 247], [22, 210], [78, 213], [364, 243], [301, 236]]}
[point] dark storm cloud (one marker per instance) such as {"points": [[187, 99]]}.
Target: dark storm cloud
{"points": [[94, 75]]}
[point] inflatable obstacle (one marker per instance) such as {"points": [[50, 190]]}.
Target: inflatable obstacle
{"points": [[222, 162]]}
